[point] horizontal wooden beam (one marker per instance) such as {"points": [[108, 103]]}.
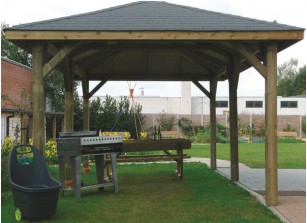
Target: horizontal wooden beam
{"points": [[154, 35]]}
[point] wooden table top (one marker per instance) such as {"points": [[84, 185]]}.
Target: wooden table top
{"points": [[155, 145]]}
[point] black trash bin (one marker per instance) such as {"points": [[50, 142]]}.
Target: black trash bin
{"points": [[35, 192]]}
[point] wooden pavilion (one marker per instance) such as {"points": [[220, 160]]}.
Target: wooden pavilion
{"points": [[159, 41]]}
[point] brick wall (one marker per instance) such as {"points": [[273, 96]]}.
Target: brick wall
{"points": [[14, 78]]}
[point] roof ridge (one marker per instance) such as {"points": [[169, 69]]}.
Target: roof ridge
{"points": [[240, 20]]}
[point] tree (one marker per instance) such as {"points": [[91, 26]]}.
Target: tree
{"points": [[299, 83], [55, 94], [112, 115], [13, 52], [95, 114], [291, 80], [54, 89]]}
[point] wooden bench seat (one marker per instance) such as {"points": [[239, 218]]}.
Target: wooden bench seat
{"points": [[150, 158], [171, 134], [286, 134]]}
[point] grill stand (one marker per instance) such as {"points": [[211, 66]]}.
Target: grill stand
{"points": [[76, 172]]}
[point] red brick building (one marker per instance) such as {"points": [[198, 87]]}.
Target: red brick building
{"points": [[15, 79]]}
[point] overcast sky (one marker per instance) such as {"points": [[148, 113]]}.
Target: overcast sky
{"points": [[251, 83]]}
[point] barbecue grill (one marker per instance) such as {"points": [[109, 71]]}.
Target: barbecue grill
{"points": [[76, 144]]}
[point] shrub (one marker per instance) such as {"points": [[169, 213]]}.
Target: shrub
{"points": [[204, 136], [166, 121], [186, 126], [288, 140], [51, 152], [5, 152]]}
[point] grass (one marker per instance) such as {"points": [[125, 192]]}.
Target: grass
{"points": [[290, 155], [151, 193]]}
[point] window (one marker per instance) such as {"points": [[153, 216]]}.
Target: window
{"points": [[288, 104], [221, 104], [254, 104]]}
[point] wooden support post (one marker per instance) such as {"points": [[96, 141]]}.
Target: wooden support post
{"points": [[54, 127], [68, 115], [86, 119], [233, 117], [212, 96], [213, 87], [38, 96], [271, 126], [86, 114]]}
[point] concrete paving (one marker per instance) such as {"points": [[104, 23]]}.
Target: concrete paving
{"points": [[290, 182]]}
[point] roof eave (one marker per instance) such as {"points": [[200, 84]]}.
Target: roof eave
{"points": [[27, 35]]}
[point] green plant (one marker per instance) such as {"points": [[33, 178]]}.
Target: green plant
{"points": [[6, 148], [245, 129], [288, 140], [5, 152], [186, 126], [166, 121], [112, 115], [289, 128], [51, 152], [304, 124]]}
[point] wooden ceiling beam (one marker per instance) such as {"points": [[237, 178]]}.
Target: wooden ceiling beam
{"points": [[101, 83], [83, 55], [249, 56], [58, 57], [204, 90], [96, 59], [201, 63], [202, 56]]}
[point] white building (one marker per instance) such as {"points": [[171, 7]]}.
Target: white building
{"points": [[201, 105]]}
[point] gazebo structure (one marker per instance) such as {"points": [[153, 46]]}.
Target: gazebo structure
{"points": [[159, 41]]}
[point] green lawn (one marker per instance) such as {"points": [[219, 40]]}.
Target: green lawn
{"points": [[290, 155], [151, 193]]}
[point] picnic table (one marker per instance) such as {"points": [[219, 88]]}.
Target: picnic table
{"points": [[164, 145]]}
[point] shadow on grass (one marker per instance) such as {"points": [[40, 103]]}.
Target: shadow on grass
{"points": [[151, 193]]}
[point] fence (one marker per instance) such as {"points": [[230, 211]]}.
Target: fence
{"points": [[284, 122]]}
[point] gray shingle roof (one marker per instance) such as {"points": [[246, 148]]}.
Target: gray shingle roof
{"points": [[154, 16]]}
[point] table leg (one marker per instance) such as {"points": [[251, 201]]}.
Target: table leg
{"points": [[114, 171], [62, 173], [180, 164], [99, 160], [76, 165]]}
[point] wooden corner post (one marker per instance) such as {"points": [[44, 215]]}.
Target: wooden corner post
{"points": [[86, 119], [38, 96], [68, 115], [234, 72], [271, 183], [213, 86]]}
